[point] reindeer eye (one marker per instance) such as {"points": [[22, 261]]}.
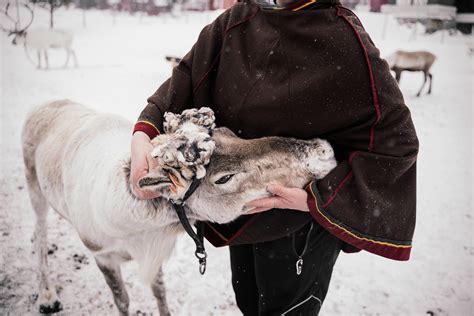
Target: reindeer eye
{"points": [[224, 179]]}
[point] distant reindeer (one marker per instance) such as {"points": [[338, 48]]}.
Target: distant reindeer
{"points": [[40, 39], [412, 61]]}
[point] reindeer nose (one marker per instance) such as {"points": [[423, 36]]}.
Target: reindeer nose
{"points": [[191, 155]]}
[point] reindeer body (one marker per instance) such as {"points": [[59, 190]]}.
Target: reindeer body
{"points": [[77, 162], [59, 140], [42, 39], [412, 61]]}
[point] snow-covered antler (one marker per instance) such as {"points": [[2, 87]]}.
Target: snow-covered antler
{"points": [[203, 117], [187, 145]]}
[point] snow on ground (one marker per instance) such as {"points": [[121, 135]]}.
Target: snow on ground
{"points": [[121, 63]]}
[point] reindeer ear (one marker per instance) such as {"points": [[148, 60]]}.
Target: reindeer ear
{"points": [[224, 131]]}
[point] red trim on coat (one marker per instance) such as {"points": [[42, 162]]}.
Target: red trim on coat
{"points": [[339, 187], [218, 240], [384, 249], [147, 128], [243, 228], [372, 81], [375, 101], [206, 74], [213, 236]]}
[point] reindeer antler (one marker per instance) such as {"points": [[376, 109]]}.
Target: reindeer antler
{"points": [[202, 117], [31, 19], [187, 144], [5, 12], [16, 23]]}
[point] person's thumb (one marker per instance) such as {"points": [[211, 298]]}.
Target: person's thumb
{"points": [[278, 190], [152, 163]]}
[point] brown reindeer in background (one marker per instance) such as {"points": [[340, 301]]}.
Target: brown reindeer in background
{"points": [[412, 61]]}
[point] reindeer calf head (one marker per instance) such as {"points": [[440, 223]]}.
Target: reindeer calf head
{"points": [[238, 171], [182, 152], [241, 169]]}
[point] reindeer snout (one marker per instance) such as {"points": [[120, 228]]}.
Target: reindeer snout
{"points": [[191, 154]]}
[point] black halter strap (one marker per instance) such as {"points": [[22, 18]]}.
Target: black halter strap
{"points": [[200, 252]]}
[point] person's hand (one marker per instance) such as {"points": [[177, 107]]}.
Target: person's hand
{"points": [[287, 198], [141, 163]]}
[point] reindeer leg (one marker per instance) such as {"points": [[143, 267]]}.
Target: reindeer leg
{"points": [[423, 85], [431, 81], [46, 59], [113, 277], [159, 291], [398, 76], [74, 57], [39, 59], [47, 297], [67, 57]]}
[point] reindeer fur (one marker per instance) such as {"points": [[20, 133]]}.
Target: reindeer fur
{"points": [[77, 162]]}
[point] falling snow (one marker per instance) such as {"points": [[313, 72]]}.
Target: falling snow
{"points": [[121, 63]]}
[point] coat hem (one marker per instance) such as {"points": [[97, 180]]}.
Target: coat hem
{"points": [[392, 250], [218, 240]]}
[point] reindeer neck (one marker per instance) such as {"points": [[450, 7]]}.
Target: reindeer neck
{"points": [[148, 210]]}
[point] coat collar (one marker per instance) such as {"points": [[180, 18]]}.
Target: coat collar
{"points": [[299, 5]]}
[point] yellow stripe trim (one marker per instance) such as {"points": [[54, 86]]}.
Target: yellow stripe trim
{"points": [[304, 5], [151, 124], [349, 232]]}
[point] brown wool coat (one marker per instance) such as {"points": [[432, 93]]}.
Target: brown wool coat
{"points": [[306, 74]]}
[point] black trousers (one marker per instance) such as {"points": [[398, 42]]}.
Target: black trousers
{"points": [[264, 274]]}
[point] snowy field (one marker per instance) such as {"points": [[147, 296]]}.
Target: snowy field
{"points": [[121, 63]]}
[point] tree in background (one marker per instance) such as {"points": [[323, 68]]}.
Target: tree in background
{"points": [[51, 5]]}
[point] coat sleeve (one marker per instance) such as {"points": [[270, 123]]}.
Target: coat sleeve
{"points": [[369, 199], [178, 92]]}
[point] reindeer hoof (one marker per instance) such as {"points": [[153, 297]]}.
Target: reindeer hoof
{"points": [[50, 308]]}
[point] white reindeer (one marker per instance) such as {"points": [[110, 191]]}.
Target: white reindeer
{"points": [[40, 39], [78, 162], [412, 61]]}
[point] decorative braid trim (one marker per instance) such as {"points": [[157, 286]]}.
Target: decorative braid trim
{"points": [[385, 249]]}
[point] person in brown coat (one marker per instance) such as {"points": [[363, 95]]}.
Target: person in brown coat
{"points": [[301, 69]]}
